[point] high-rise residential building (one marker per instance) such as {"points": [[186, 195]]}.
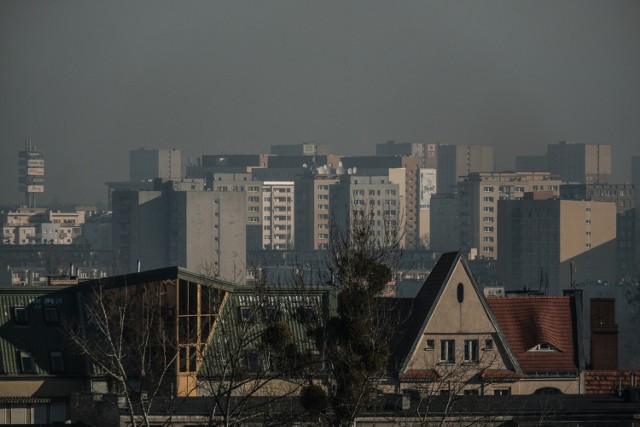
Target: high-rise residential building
{"points": [[30, 173], [278, 215], [198, 230], [580, 163], [552, 244], [455, 161], [403, 171], [146, 164], [321, 219], [478, 196], [427, 184], [444, 223], [357, 196], [623, 196]]}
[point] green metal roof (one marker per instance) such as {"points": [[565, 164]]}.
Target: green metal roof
{"points": [[36, 335]]}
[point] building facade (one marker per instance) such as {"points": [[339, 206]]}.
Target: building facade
{"points": [[623, 196], [550, 244], [579, 162], [455, 161], [478, 196], [147, 164]]}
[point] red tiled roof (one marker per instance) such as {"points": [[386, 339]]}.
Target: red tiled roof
{"points": [[529, 321]]}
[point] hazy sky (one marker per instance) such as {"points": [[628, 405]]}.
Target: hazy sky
{"points": [[88, 81]]}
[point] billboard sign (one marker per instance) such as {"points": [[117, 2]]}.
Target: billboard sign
{"points": [[35, 163], [36, 180], [35, 171], [427, 186], [35, 188]]}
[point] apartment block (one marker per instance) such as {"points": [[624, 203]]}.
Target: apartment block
{"points": [[455, 161], [321, 208], [147, 164], [550, 244], [403, 171], [444, 223], [580, 163], [478, 196], [623, 196], [278, 215], [367, 195], [199, 230]]}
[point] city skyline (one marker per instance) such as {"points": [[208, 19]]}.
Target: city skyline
{"points": [[89, 82]]}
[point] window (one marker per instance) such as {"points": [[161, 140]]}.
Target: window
{"points": [[487, 239], [470, 350], [487, 229], [50, 315], [430, 345], [253, 189], [246, 314], [254, 208], [544, 347], [57, 362], [487, 189], [488, 199], [447, 351], [487, 249], [26, 361], [487, 219], [20, 315], [488, 344], [502, 392], [253, 362], [488, 209], [254, 219], [323, 207], [472, 392]]}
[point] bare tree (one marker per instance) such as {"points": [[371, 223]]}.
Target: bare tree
{"points": [[355, 342], [128, 341]]}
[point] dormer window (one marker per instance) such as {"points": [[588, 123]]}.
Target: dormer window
{"points": [[20, 315], [545, 346]]}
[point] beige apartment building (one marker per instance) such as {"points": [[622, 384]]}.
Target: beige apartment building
{"points": [[278, 215], [547, 244], [478, 196]]}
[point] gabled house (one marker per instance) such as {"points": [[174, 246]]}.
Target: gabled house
{"points": [[455, 340]]}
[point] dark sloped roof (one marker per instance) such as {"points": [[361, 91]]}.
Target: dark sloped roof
{"points": [[421, 306], [36, 335], [532, 320]]}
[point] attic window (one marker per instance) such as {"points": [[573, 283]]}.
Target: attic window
{"points": [[26, 361], [545, 346], [460, 292], [246, 313], [20, 315], [430, 345]]}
